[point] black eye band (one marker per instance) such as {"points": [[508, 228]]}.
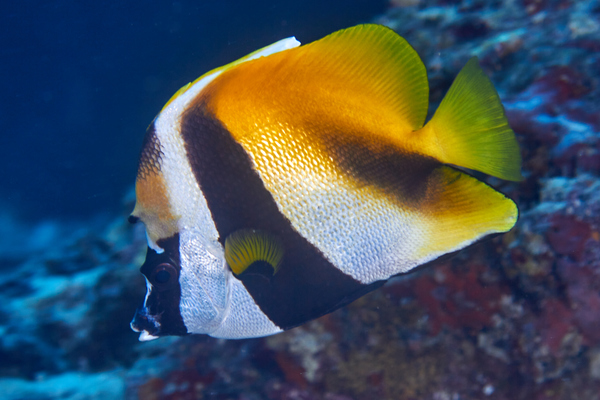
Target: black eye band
{"points": [[133, 219]]}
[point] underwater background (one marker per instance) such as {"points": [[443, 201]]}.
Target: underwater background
{"points": [[513, 317]]}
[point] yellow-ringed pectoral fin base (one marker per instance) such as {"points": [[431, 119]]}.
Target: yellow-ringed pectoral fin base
{"points": [[246, 246]]}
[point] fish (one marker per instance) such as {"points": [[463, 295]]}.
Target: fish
{"points": [[287, 184]]}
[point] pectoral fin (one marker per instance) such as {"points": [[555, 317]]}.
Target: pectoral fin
{"points": [[246, 246]]}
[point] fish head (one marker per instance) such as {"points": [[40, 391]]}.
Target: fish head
{"points": [[187, 282], [186, 274]]}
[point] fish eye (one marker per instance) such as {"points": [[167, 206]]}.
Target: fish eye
{"points": [[163, 276]]}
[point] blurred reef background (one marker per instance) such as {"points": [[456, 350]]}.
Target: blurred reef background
{"points": [[514, 317]]}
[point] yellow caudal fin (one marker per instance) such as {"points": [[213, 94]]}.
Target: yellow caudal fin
{"points": [[471, 129], [462, 211]]}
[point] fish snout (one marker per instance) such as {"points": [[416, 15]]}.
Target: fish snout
{"points": [[147, 324]]}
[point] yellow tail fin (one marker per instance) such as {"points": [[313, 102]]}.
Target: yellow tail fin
{"points": [[471, 129]]}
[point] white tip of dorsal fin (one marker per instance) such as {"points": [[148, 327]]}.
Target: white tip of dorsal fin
{"points": [[200, 83], [283, 44]]}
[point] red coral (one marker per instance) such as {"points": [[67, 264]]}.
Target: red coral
{"points": [[579, 157], [554, 323], [293, 372], [524, 123], [179, 385], [458, 299], [535, 6], [151, 390], [568, 236], [563, 83], [583, 291]]}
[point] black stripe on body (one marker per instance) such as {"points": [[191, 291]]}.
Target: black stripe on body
{"points": [[306, 285], [403, 177]]}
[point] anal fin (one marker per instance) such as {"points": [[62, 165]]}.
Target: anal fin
{"points": [[461, 211]]}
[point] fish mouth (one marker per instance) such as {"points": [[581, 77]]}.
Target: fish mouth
{"points": [[145, 323]]}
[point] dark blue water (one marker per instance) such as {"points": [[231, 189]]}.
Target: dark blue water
{"points": [[82, 81]]}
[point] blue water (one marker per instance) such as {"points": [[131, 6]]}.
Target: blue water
{"points": [[82, 81]]}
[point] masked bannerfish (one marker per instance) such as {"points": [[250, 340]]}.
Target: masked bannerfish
{"points": [[289, 183]]}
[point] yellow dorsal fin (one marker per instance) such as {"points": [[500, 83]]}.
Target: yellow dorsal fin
{"points": [[246, 246], [281, 45], [366, 78], [471, 129], [381, 63]]}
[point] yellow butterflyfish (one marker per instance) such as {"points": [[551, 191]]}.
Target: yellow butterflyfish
{"points": [[285, 185]]}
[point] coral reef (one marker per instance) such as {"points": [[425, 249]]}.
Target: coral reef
{"points": [[514, 317]]}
